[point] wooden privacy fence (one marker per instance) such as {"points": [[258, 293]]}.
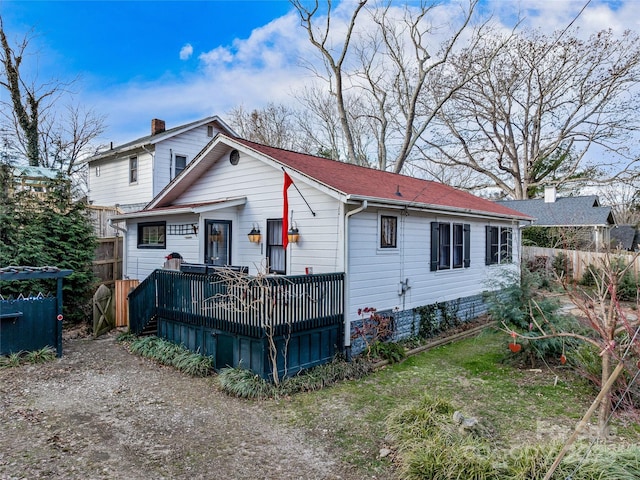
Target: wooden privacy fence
{"points": [[107, 263], [578, 260], [230, 316]]}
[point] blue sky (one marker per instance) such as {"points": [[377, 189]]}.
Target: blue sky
{"points": [[181, 61]]}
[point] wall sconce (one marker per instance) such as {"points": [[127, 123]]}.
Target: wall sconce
{"points": [[293, 235], [254, 235], [195, 229], [215, 236]]}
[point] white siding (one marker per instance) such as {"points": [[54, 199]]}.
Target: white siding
{"points": [[320, 235], [142, 261], [154, 172], [375, 274], [112, 186], [188, 144]]}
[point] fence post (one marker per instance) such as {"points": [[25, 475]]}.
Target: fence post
{"points": [[59, 317]]}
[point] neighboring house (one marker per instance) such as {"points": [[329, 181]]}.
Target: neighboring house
{"points": [[32, 179], [401, 242], [625, 237], [580, 220], [128, 176]]}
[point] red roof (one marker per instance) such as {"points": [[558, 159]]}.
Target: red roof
{"points": [[367, 182]]}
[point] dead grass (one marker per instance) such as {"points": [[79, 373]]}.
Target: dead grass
{"points": [[519, 405]]}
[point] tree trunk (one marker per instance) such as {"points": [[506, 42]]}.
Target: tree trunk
{"points": [[605, 401]]}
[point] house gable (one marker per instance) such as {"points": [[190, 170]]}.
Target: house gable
{"points": [[159, 157]]}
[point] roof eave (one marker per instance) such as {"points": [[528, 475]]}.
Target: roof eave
{"points": [[188, 209], [158, 138], [424, 207], [151, 213]]}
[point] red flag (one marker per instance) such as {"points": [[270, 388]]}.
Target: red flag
{"points": [[285, 210]]}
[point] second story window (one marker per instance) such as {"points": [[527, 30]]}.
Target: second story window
{"points": [[180, 164], [133, 169]]}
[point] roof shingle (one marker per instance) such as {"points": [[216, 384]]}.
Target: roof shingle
{"points": [[357, 181]]}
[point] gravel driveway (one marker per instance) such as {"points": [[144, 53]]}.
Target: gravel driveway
{"points": [[101, 412]]}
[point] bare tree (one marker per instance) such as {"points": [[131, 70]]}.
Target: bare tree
{"points": [[609, 329], [377, 74], [543, 103], [46, 137], [26, 99], [275, 125], [68, 137], [624, 199]]}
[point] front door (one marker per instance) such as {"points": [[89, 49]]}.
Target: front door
{"points": [[217, 246]]}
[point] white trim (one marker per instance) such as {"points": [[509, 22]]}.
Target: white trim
{"points": [[380, 250], [198, 209], [435, 209]]}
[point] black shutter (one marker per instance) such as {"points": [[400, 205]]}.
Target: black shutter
{"points": [[467, 245], [434, 246], [487, 239]]}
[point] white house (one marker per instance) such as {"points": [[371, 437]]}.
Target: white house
{"points": [[131, 174], [402, 242]]}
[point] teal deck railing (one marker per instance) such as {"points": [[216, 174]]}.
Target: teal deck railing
{"points": [[239, 304]]}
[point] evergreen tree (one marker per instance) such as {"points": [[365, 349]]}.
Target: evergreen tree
{"points": [[48, 230]]}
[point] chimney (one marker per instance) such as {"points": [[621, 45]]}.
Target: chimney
{"points": [[549, 194], [157, 126]]}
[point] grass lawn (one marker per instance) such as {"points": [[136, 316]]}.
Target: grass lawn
{"points": [[519, 406]]}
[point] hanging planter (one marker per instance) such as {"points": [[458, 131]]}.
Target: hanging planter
{"points": [[513, 346], [563, 358]]}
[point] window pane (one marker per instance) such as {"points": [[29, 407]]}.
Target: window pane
{"points": [[152, 235], [388, 232], [218, 246], [133, 169], [505, 245], [444, 249], [458, 246], [180, 164], [275, 250], [495, 247]]}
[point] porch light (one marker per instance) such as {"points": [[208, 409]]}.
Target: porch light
{"points": [[293, 235], [254, 235]]}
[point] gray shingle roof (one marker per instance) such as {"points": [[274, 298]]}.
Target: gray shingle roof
{"points": [[158, 137], [565, 211], [626, 237]]}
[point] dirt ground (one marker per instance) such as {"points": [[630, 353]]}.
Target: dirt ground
{"points": [[100, 412]]}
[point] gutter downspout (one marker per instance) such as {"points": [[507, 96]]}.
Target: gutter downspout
{"points": [[153, 170], [347, 296], [124, 245]]}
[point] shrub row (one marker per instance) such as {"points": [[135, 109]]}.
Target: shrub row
{"points": [[16, 359], [171, 354]]}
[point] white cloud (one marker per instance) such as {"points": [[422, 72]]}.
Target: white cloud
{"points": [[186, 52], [267, 66], [219, 55]]}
